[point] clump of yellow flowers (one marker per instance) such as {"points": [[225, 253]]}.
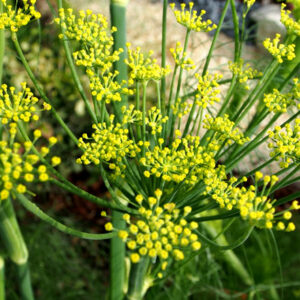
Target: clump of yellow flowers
{"points": [[14, 19], [15, 106], [278, 102], [21, 164], [285, 144], [190, 19], [292, 26], [279, 51], [97, 54], [160, 232], [143, 67], [244, 72]]}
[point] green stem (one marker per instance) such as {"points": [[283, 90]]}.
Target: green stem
{"points": [[74, 73], [2, 50], [229, 256], [117, 259], [2, 278], [257, 92], [172, 116], [25, 281], [117, 249], [11, 235], [216, 35], [40, 90], [163, 52], [138, 282], [144, 117], [15, 247], [118, 19], [34, 209], [236, 31], [2, 46]]}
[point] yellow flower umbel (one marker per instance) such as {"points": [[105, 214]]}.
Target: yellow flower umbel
{"points": [[292, 26], [143, 67], [286, 144], [155, 120], [180, 58], [14, 19], [279, 51], [183, 161], [18, 106], [19, 165], [97, 55], [92, 31], [253, 204], [108, 145], [225, 129], [243, 72], [207, 89], [190, 19], [278, 102], [249, 3], [106, 88], [161, 233]]}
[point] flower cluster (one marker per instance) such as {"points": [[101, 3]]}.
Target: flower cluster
{"points": [[225, 128], [97, 55], [254, 205], [185, 160], [18, 106], [131, 115], [181, 108], [155, 120], [180, 58], [90, 29], [14, 19], [279, 51], [106, 88], [108, 144], [159, 232], [278, 102], [190, 19], [243, 72], [286, 144], [207, 89], [249, 3], [292, 26], [19, 165], [143, 67]]}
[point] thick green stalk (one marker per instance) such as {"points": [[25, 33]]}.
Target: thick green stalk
{"points": [[118, 19], [138, 282], [40, 90], [117, 249], [15, 247], [117, 260], [2, 278], [34, 209], [25, 281]]}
